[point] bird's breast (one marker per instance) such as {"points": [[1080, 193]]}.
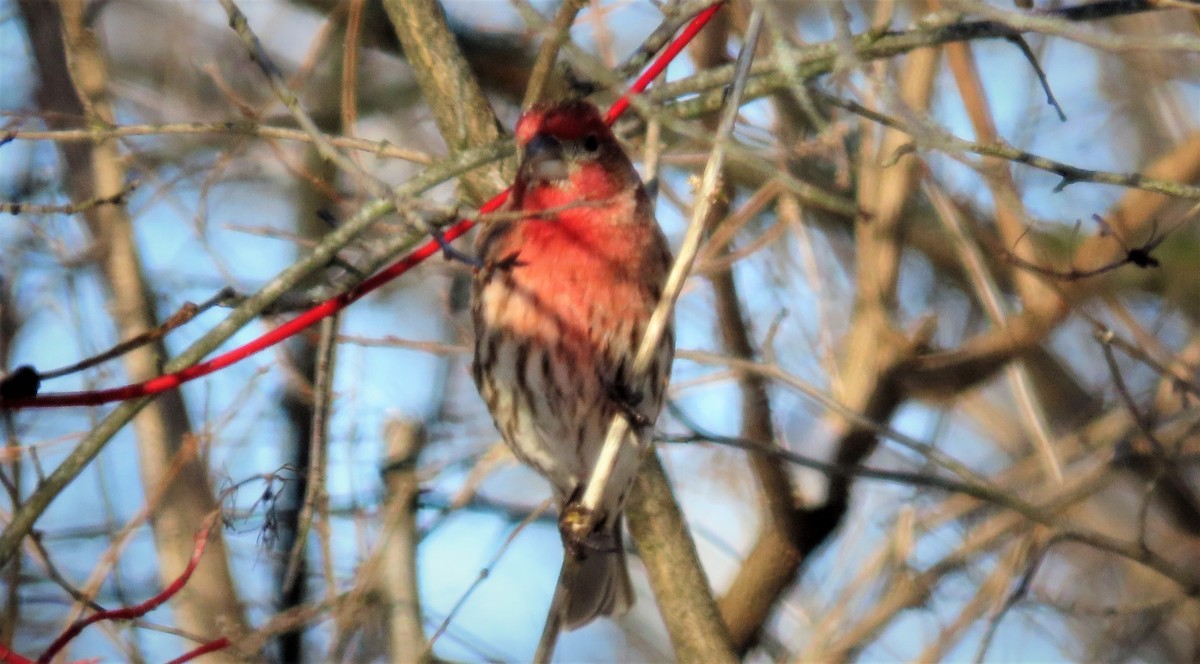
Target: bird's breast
{"points": [[574, 283]]}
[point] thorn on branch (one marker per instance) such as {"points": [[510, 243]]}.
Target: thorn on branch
{"points": [[222, 297], [1066, 181], [1020, 43]]}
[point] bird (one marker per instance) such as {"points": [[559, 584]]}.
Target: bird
{"points": [[569, 274]]}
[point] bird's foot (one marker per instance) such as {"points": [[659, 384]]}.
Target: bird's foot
{"points": [[627, 401]]}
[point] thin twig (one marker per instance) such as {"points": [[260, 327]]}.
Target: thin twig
{"points": [[349, 100], [376, 187], [989, 295], [929, 138], [485, 572], [660, 319], [118, 198], [678, 12], [176, 320], [36, 550], [212, 646], [229, 127], [543, 66], [186, 454], [315, 493], [125, 613], [1143, 422], [1035, 557], [1055, 23], [1178, 381]]}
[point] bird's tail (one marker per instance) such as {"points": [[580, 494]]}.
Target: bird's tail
{"points": [[594, 583]]}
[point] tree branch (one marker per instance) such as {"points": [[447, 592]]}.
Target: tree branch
{"points": [[462, 112]]}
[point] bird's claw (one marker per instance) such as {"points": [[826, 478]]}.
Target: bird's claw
{"points": [[627, 401], [576, 524]]}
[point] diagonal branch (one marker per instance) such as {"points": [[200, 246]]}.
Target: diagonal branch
{"points": [[462, 112]]}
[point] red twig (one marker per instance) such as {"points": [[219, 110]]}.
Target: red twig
{"points": [[211, 646], [138, 610], [336, 304], [9, 657], [673, 49], [270, 338]]}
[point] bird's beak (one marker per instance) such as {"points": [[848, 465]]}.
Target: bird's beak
{"points": [[543, 159]]}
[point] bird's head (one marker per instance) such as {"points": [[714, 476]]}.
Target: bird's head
{"points": [[569, 153]]}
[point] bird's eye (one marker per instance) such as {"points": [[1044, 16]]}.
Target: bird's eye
{"points": [[591, 143]]}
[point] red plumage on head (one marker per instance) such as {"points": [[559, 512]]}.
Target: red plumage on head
{"points": [[570, 120], [603, 181]]}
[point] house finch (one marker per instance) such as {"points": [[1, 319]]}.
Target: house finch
{"points": [[568, 283]]}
